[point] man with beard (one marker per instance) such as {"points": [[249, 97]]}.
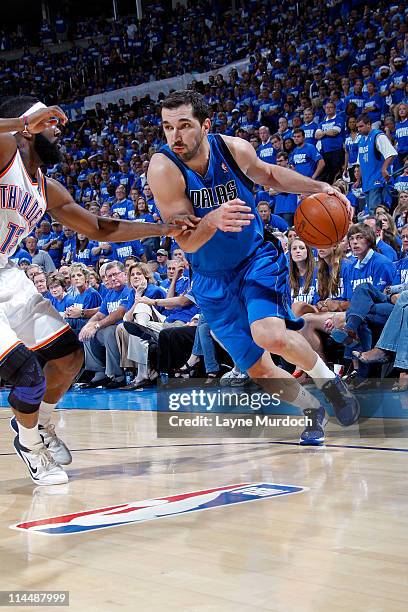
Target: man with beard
{"points": [[39, 354]]}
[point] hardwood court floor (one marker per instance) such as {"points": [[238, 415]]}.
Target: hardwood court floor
{"points": [[341, 545]]}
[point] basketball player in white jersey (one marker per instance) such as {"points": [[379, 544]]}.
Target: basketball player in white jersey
{"points": [[39, 354]]}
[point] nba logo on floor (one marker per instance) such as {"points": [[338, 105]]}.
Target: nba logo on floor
{"points": [[150, 509]]}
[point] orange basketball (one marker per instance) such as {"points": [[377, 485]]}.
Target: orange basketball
{"points": [[321, 220]]}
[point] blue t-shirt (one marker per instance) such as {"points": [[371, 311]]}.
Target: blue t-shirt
{"points": [[267, 153], [20, 254], [332, 143], [61, 305], [285, 203], [309, 296], [123, 208], [374, 268], [152, 291], [90, 298], [68, 247], [310, 130], [401, 135], [113, 299], [277, 224], [305, 159], [84, 256], [401, 272], [351, 147], [401, 183], [387, 250], [122, 250]]}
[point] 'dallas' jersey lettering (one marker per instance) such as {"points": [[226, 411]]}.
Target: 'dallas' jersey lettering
{"points": [[224, 181], [209, 198], [22, 204]]}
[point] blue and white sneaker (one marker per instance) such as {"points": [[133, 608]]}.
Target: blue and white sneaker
{"points": [[313, 434], [346, 406], [57, 448], [41, 466]]}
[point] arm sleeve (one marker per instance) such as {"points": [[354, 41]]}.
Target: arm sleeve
{"points": [[384, 146]]}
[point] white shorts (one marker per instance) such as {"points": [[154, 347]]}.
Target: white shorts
{"points": [[25, 316]]}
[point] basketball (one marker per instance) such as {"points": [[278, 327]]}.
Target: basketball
{"points": [[321, 220]]}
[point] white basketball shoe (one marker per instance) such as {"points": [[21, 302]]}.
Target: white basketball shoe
{"points": [[58, 449], [41, 466]]}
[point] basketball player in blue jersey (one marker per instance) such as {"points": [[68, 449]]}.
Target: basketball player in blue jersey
{"points": [[39, 353], [239, 280]]}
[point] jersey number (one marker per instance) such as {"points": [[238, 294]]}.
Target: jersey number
{"points": [[13, 234]]}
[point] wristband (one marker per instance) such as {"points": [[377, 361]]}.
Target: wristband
{"points": [[25, 122]]}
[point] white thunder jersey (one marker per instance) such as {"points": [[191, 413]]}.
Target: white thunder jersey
{"points": [[25, 316], [22, 204]]}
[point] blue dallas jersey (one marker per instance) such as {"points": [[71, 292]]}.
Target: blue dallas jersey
{"points": [[223, 181], [305, 159], [370, 161], [267, 153], [374, 268]]}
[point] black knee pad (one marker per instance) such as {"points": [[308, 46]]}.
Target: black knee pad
{"points": [[22, 369]]}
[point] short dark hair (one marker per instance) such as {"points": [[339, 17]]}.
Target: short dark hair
{"points": [[282, 154], [201, 110], [15, 106], [299, 131], [364, 118], [366, 231]]}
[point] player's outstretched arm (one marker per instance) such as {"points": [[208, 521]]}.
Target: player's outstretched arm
{"points": [[63, 208], [168, 187], [280, 179]]}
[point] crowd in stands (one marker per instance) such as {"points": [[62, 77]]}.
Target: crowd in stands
{"points": [[325, 94]]}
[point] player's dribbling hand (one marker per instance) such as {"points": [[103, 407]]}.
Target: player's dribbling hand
{"points": [[334, 191], [231, 216], [45, 118]]}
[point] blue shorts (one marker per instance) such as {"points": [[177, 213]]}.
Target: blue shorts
{"points": [[232, 301]]}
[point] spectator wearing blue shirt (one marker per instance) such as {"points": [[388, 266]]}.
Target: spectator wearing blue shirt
{"points": [[122, 206], [162, 257], [373, 105], [20, 254], [99, 334], [357, 96], [266, 151], [59, 298], [401, 133], [382, 247], [283, 129], [398, 80], [86, 303], [370, 266], [285, 204], [302, 277], [83, 250], [400, 183], [330, 135], [123, 250], [375, 154], [39, 279], [310, 126], [351, 148], [305, 158], [275, 223], [68, 245]]}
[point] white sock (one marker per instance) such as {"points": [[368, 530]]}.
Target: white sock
{"points": [[98, 376], [306, 400], [29, 437], [142, 372], [320, 373], [46, 411]]}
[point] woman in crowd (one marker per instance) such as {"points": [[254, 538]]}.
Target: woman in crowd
{"points": [[86, 303], [329, 298], [95, 282], [400, 214], [351, 149], [134, 350], [302, 277], [142, 215], [83, 250], [388, 225], [59, 298], [356, 194]]}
